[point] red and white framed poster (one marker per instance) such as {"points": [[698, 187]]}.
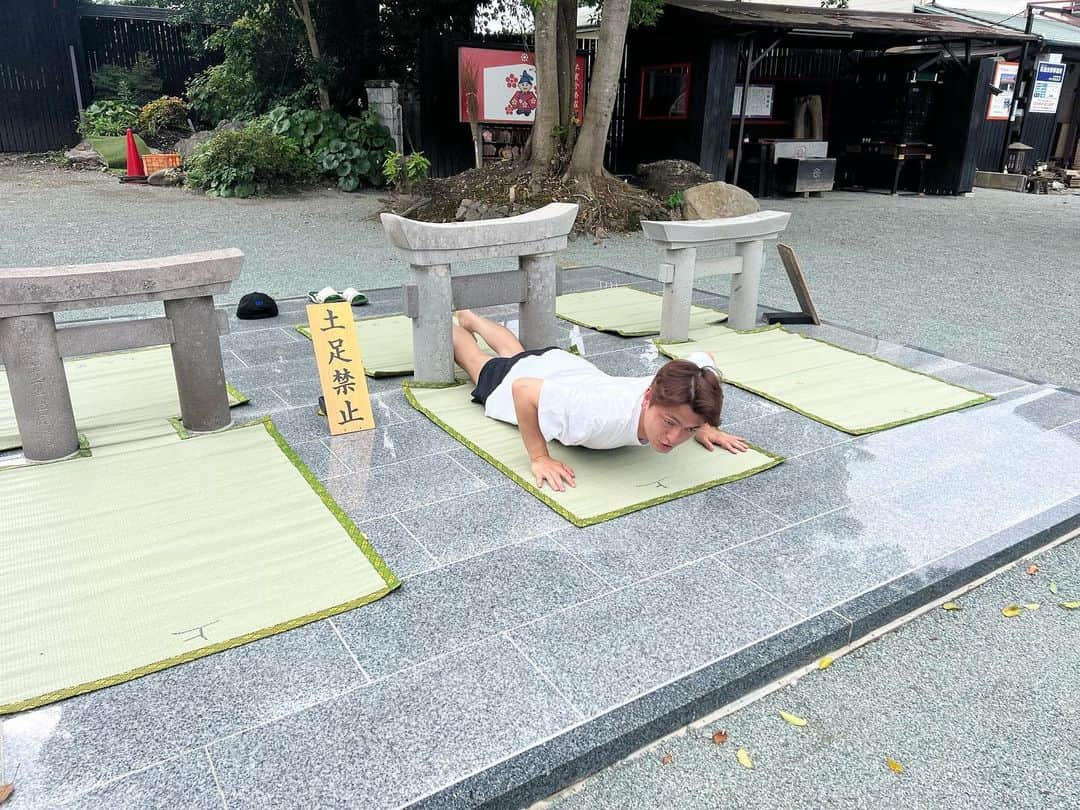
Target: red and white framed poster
{"points": [[1005, 80], [502, 86]]}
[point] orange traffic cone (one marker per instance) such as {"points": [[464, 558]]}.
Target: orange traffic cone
{"points": [[135, 171]]}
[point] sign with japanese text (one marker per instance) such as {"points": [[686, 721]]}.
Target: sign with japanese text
{"points": [[759, 103], [1005, 81], [503, 86], [341, 369], [1045, 94]]}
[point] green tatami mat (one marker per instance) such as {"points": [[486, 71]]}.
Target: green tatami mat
{"points": [[113, 149], [385, 344], [852, 392], [625, 311], [110, 393], [119, 566], [609, 482]]}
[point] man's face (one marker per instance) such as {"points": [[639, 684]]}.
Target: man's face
{"points": [[667, 427]]}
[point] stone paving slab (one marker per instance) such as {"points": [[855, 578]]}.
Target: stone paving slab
{"points": [[521, 652]]}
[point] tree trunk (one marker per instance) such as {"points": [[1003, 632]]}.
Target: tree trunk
{"points": [[303, 11], [547, 87], [567, 57], [588, 159]]}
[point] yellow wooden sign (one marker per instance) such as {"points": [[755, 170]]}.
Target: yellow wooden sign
{"points": [[341, 369]]}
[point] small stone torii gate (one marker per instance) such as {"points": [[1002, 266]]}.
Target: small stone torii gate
{"points": [[433, 294], [679, 265], [32, 348]]}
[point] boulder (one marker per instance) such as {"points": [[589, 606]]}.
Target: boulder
{"points": [[666, 177], [166, 177], [185, 146], [85, 156], [716, 200]]}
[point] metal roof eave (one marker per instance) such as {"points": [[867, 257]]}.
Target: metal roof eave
{"points": [[837, 25]]}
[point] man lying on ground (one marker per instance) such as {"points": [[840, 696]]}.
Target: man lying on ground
{"points": [[551, 394]]}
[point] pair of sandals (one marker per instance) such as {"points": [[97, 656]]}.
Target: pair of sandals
{"points": [[328, 295]]}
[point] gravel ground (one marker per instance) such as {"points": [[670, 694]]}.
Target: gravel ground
{"points": [[980, 710], [988, 279]]}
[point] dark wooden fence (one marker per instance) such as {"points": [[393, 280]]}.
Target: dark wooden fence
{"points": [[41, 74], [50, 48], [116, 34]]}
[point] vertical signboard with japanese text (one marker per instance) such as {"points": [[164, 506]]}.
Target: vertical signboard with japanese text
{"points": [[341, 369], [1046, 92]]}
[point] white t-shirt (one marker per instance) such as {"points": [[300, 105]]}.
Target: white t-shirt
{"points": [[579, 403]]}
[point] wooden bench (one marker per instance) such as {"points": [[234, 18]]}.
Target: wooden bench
{"points": [[32, 348]]}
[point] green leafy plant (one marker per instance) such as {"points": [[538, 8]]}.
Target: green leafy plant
{"points": [[674, 200], [349, 149], [108, 118], [239, 163], [403, 171], [392, 167], [417, 167], [137, 84], [221, 93]]}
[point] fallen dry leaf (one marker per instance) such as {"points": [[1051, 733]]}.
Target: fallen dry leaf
{"points": [[794, 719], [666, 759], [744, 759], [824, 663], [9, 788], [1070, 605], [950, 606], [1053, 588], [720, 737], [1032, 605], [1033, 569], [1012, 611], [894, 766]]}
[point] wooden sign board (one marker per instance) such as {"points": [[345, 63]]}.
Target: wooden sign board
{"points": [[341, 369], [798, 282]]}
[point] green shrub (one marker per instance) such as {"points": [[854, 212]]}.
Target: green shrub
{"points": [[674, 200], [348, 149], [137, 84], [392, 168], [165, 114], [222, 93], [239, 163], [403, 171], [417, 167], [108, 118]]}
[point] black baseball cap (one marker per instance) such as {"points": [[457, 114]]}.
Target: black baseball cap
{"points": [[256, 305]]}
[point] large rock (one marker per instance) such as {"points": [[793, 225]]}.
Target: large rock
{"points": [[716, 200], [166, 177], [85, 156], [186, 146], [666, 177]]}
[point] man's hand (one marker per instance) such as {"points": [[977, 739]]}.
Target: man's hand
{"points": [[709, 437], [545, 468]]}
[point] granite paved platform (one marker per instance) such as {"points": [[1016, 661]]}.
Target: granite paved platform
{"points": [[521, 652]]}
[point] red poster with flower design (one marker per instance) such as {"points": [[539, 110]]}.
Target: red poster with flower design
{"points": [[501, 85]]}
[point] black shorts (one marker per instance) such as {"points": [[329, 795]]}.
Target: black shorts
{"points": [[495, 371]]}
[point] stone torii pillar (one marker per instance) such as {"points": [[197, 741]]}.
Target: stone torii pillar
{"points": [[680, 267], [432, 295]]}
